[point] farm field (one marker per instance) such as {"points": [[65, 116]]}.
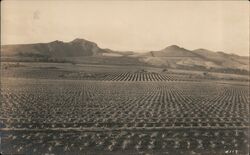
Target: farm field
{"points": [[36, 70], [55, 111]]}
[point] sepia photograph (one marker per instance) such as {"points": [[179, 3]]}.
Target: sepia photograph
{"points": [[106, 77]]}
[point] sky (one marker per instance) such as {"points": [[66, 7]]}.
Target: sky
{"points": [[130, 25]]}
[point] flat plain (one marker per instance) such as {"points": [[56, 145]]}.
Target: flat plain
{"points": [[59, 108]]}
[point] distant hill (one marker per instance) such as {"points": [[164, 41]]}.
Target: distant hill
{"points": [[173, 51], [57, 49], [84, 51], [178, 57]]}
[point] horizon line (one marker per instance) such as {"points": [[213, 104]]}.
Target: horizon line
{"points": [[135, 51]]}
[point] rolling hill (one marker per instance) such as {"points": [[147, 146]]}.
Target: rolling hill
{"points": [[178, 57], [59, 49], [84, 51], [173, 51]]}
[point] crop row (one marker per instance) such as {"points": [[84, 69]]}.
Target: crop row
{"points": [[107, 104], [127, 76], [56, 73], [77, 142]]}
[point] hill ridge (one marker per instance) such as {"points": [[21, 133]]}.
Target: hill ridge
{"points": [[84, 51]]}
